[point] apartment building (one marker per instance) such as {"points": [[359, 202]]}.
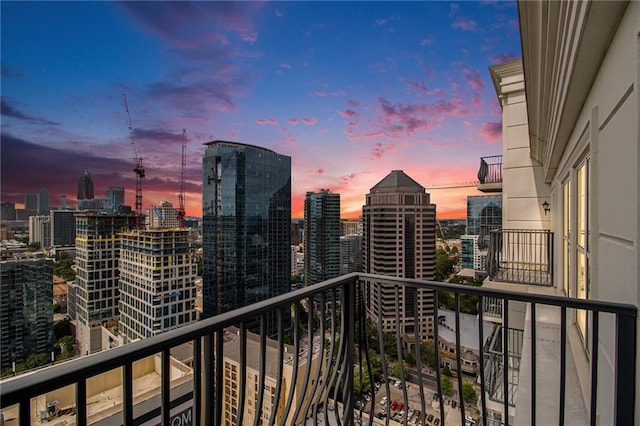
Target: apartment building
{"points": [[400, 240], [157, 282], [40, 230], [96, 296], [570, 211], [26, 309]]}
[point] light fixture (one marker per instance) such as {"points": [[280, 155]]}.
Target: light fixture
{"points": [[546, 208]]}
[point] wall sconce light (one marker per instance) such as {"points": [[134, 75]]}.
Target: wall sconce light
{"points": [[546, 208]]}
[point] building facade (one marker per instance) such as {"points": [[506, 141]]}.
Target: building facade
{"points": [[246, 202], [40, 230], [157, 282], [26, 309], [399, 239], [97, 292], [7, 210], [43, 201], [85, 186], [63, 227], [350, 254], [321, 236], [115, 195], [570, 168], [164, 215]]}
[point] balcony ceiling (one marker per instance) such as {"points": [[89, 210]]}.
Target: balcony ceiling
{"points": [[563, 46]]}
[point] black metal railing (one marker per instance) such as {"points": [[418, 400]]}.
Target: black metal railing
{"points": [[333, 366], [522, 256], [490, 169]]}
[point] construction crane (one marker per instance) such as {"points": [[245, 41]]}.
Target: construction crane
{"points": [[181, 208], [138, 169]]}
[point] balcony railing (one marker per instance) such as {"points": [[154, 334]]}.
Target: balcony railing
{"points": [[522, 256], [490, 174], [319, 371]]}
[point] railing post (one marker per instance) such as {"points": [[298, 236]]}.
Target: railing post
{"points": [[625, 370], [349, 330]]}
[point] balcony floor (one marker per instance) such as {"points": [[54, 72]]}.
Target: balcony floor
{"points": [[548, 377]]}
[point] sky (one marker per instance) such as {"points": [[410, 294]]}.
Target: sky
{"points": [[349, 90]]}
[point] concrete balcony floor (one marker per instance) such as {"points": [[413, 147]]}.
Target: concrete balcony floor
{"points": [[548, 374]]}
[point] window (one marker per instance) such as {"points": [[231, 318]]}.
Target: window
{"points": [[582, 245], [575, 239]]}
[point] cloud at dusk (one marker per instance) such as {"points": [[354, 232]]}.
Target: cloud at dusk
{"points": [[492, 131], [267, 121], [464, 23]]}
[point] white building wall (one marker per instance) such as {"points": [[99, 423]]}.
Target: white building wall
{"points": [[523, 186], [607, 131]]}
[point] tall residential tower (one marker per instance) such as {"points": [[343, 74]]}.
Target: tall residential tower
{"points": [[399, 239]]}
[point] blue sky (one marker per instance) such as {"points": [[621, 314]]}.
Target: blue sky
{"points": [[349, 90]]}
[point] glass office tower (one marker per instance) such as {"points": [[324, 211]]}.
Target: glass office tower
{"points": [[246, 203]]}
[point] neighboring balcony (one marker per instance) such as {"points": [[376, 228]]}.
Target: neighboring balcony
{"points": [[490, 174], [522, 256], [332, 366]]}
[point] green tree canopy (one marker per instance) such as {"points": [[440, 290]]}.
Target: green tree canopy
{"points": [[469, 393]]}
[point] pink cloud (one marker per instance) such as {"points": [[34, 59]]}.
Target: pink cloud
{"points": [[267, 121], [492, 131], [464, 23], [319, 172], [428, 41], [293, 121], [472, 76], [310, 121], [503, 57], [353, 104], [321, 94], [347, 113]]}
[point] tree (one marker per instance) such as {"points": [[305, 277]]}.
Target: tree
{"points": [[66, 346], [446, 371], [36, 360], [447, 386], [62, 328], [396, 369], [390, 344], [33, 246], [428, 353], [469, 392], [410, 359]]}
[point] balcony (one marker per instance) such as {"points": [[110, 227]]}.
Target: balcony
{"points": [[522, 256], [321, 370], [490, 174]]}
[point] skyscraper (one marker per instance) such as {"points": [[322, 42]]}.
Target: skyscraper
{"points": [[85, 186], [399, 240], [63, 227], [115, 195], [321, 236], [43, 201], [26, 309], [7, 210], [246, 202], [40, 230], [97, 255], [31, 203]]}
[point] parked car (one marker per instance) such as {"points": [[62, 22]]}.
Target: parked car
{"points": [[453, 404], [430, 418]]}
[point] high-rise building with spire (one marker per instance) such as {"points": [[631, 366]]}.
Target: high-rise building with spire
{"points": [[85, 186], [399, 239]]}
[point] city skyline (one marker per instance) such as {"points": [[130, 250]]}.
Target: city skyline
{"points": [[401, 85]]}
